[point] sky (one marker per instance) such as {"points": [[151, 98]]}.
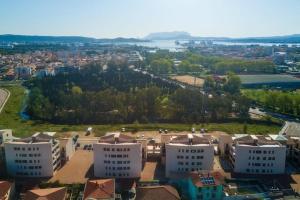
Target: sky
{"points": [[137, 18]]}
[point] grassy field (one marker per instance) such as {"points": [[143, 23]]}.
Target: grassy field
{"points": [[268, 78], [10, 119]]}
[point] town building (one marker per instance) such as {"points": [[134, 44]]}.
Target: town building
{"points": [[187, 153], [66, 70], [47, 194], [165, 192], [23, 72], [6, 135], [292, 144], [199, 185], [117, 155], [41, 73], [7, 190], [67, 148], [99, 189], [254, 154], [35, 156]]}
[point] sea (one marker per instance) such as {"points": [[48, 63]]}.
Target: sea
{"points": [[173, 46]]}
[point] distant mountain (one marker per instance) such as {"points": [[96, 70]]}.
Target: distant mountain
{"points": [[60, 39], [175, 35], [181, 35]]}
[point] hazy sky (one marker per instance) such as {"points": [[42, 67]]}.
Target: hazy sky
{"points": [[137, 18]]}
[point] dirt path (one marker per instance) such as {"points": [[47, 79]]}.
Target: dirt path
{"points": [[4, 96]]}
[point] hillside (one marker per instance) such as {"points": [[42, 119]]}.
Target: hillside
{"points": [[8, 38]]}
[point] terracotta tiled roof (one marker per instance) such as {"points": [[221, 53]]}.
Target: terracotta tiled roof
{"points": [[164, 192], [47, 194], [4, 187], [99, 189]]}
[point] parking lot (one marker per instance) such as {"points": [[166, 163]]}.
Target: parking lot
{"points": [[77, 170], [152, 170]]}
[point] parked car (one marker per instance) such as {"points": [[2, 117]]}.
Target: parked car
{"points": [[89, 131]]}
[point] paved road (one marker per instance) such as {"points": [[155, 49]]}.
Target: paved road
{"points": [[4, 95], [260, 112]]}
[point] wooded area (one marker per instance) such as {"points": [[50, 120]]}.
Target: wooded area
{"points": [[121, 95]]}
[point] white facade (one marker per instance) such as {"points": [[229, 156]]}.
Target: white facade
{"points": [[67, 148], [265, 159], [117, 156], [189, 153], [6, 135], [37, 156], [257, 155]]}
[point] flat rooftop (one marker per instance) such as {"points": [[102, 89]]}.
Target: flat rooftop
{"points": [[117, 138], [255, 140], [37, 137], [189, 139]]}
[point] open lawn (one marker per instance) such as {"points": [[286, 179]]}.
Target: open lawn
{"points": [[190, 80], [10, 119]]}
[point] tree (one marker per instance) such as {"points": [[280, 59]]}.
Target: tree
{"points": [[209, 83], [161, 66], [76, 90], [233, 84]]}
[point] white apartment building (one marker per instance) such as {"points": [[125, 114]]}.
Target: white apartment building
{"points": [[187, 153], [256, 154], [35, 156], [117, 155]]}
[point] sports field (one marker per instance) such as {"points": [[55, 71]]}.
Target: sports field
{"points": [[190, 80]]}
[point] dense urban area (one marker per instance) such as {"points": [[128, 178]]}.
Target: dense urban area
{"points": [[123, 119]]}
